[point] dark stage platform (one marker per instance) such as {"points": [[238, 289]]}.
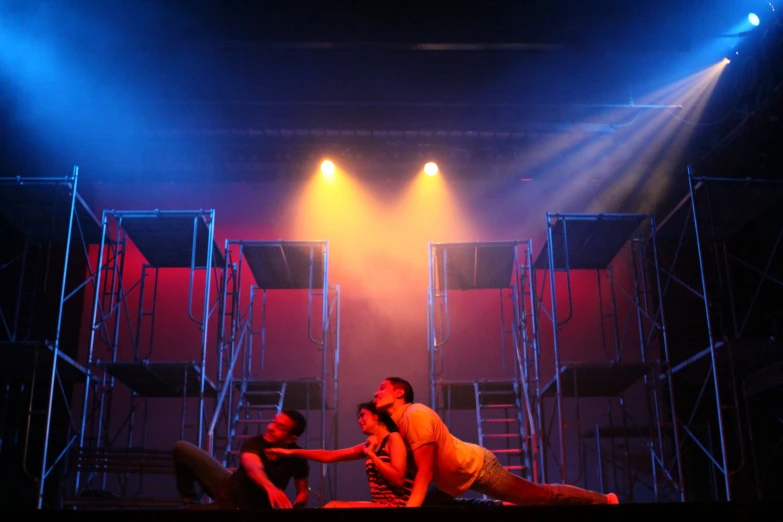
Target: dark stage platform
{"points": [[625, 513]]}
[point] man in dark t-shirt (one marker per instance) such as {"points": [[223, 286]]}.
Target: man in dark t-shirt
{"points": [[243, 492], [258, 482]]}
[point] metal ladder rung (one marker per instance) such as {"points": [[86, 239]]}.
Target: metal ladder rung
{"points": [[497, 406], [247, 408], [499, 420], [506, 451]]}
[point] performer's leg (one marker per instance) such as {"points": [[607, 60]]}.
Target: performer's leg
{"points": [[497, 482], [197, 471], [436, 497], [347, 505]]}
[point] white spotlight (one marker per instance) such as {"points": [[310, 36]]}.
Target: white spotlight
{"points": [[430, 169], [327, 168]]}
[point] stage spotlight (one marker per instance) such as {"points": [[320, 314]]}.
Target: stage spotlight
{"points": [[753, 18], [430, 169], [327, 168]]}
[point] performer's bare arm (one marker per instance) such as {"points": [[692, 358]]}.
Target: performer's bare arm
{"points": [[326, 456], [424, 456], [393, 471], [255, 470], [302, 490]]}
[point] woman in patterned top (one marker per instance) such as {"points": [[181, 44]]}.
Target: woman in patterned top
{"points": [[387, 460]]}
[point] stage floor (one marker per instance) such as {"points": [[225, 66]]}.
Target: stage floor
{"points": [[631, 512]]}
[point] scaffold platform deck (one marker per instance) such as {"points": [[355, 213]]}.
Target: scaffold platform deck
{"points": [[166, 238], [161, 379], [285, 265], [596, 380], [41, 211], [130, 461], [475, 266], [101, 502], [461, 395], [586, 242], [124, 460], [300, 394], [731, 205]]}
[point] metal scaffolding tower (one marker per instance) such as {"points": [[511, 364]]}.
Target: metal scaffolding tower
{"points": [[248, 398], [37, 368], [597, 242], [736, 357], [512, 403], [122, 349]]}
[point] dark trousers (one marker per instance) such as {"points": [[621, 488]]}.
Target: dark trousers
{"points": [[198, 473], [497, 482], [436, 497]]}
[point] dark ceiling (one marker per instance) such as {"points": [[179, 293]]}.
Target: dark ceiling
{"points": [[383, 22], [273, 82]]}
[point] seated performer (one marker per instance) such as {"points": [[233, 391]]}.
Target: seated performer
{"points": [[258, 483], [387, 460], [454, 466]]}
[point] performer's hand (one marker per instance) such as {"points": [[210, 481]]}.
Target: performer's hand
{"points": [[276, 453], [278, 499], [370, 445]]}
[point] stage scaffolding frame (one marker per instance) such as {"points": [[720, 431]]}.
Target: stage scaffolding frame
{"points": [[595, 242], [739, 367], [506, 267], [245, 399], [167, 240], [71, 223]]}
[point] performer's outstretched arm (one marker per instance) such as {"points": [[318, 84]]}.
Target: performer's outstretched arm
{"points": [[326, 456]]}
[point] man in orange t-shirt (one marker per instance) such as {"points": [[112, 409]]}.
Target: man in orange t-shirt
{"points": [[454, 466]]}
